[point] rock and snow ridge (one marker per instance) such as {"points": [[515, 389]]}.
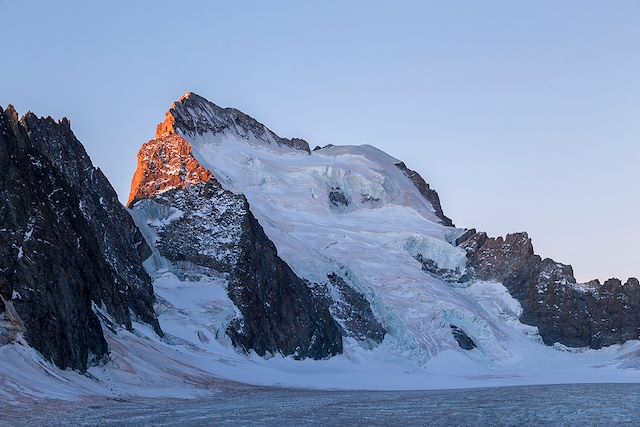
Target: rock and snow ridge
{"points": [[260, 248]]}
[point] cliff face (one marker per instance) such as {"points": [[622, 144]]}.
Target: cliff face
{"points": [[577, 315], [203, 227], [69, 249]]}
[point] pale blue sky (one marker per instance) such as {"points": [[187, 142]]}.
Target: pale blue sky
{"points": [[523, 115]]}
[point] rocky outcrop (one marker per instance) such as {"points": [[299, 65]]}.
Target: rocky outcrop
{"points": [[193, 115], [68, 248], [427, 192], [119, 240], [566, 312], [202, 227], [351, 309], [165, 165], [431, 267], [464, 341], [338, 198], [279, 311]]}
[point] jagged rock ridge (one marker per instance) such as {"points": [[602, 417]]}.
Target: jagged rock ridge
{"points": [[69, 249], [119, 239], [193, 115], [576, 315]]}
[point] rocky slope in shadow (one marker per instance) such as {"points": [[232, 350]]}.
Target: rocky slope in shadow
{"points": [[68, 248]]}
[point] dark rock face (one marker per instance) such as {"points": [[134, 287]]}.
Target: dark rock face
{"points": [[337, 198], [351, 310], [431, 267], [465, 236], [119, 239], [426, 191], [279, 311], [194, 115], [203, 226], [576, 315], [464, 341], [67, 246], [297, 143]]}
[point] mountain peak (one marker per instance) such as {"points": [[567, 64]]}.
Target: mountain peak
{"points": [[192, 96], [183, 111], [194, 115]]}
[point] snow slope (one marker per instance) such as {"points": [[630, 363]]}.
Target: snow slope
{"points": [[372, 241], [196, 360]]}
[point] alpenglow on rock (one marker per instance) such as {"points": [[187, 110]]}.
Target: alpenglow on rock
{"points": [[70, 250]]}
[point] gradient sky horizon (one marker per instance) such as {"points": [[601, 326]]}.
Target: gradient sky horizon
{"points": [[522, 115]]}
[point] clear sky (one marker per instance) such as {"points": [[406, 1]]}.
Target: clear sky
{"points": [[522, 115]]}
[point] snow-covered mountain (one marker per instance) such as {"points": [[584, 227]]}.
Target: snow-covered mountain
{"points": [[333, 267], [357, 214]]}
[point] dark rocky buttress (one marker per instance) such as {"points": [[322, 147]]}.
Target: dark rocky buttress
{"points": [[351, 309], [68, 247], [576, 315], [119, 239]]}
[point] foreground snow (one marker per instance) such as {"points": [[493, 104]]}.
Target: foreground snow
{"points": [[573, 405], [195, 359]]}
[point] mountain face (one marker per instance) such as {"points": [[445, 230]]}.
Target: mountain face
{"points": [[343, 220], [359, 236], [70, 250]]}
